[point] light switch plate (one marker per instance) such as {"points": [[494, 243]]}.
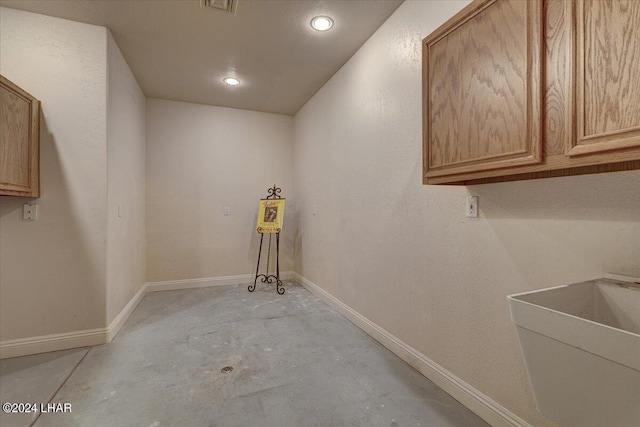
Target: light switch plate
{"points": [[472, 207], [30, 212]]}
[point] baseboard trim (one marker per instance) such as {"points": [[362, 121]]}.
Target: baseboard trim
{"points": [[482, 405], [54, 342], [65, 341], [121, 318], [91, 337], [205, 282]]}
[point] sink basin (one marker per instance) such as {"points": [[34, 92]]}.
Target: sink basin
{"points": [[581, 345]]}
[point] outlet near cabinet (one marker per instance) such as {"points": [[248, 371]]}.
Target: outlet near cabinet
{"points": [[472, 207], [30, 212]]}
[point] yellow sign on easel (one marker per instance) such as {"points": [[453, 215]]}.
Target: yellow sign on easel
{"points": [[270, 216]]}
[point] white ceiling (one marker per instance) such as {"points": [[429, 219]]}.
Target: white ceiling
{"points": [[179, 50]]}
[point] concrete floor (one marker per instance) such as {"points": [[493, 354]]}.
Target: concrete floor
{"points": [[34, 379], [296, 362]]}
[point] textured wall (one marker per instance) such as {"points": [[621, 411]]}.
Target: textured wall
{"points": [[200, 159], [52, 271], [404, 255], [126, 158]]}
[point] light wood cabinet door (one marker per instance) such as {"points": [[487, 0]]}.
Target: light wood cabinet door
{"points": [[19, 141], [482, 88], [607, 72]]}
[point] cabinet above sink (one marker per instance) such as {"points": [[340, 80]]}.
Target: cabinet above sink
{"points": [[531, 89]]}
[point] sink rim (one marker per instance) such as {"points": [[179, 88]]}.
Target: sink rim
{"points": [[618, 345]]}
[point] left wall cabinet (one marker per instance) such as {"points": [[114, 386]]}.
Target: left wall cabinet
{"points": [[19, 141]]}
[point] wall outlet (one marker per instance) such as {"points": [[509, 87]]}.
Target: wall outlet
{"points": [[119, 210], [30, 212], [226, 211], [315, 209], [472, 207]]}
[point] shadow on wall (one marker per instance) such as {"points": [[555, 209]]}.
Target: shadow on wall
{"points": [[296, 246], [48, 277], [610, 196], [287, 236], [576, 228]]}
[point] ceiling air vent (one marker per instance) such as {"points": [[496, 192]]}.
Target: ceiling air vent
{"points": [[228, 6]]}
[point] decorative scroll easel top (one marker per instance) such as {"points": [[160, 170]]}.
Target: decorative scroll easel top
{"points": [[274, 192]]}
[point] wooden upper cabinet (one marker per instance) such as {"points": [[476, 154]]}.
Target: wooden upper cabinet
{"points": [[19, 141], [482, 89], [607, 76], [518, 89]]}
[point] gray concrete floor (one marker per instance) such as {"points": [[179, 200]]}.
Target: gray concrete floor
{"points": [[34, 379], [296, 362]]}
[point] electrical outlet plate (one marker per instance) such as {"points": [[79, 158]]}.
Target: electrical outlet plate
{"points": [[30, 212], [472, 207], [227, 210]]}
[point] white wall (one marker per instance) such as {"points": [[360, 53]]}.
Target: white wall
{"points": [[52, 271], [404, 255], [200, 159], [79, 264], [126, 158], [400, 253]]}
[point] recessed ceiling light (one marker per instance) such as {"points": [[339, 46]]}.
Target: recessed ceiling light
{"points": [[231, 81], [322, 23]]}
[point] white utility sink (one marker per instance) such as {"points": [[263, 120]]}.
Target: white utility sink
{"points": [[581, 345]]}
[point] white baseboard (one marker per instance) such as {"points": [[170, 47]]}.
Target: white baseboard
{"points": [[121, 318], [54, 342], [91, 337], [482, 405], [76, 339], [172, 285]]}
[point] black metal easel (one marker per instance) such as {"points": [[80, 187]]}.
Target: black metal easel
{"points": [[274, 193]]}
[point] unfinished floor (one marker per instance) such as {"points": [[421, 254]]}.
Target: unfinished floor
{"points": [[296, 362]]}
